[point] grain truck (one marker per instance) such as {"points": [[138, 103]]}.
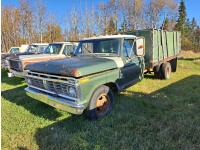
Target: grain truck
{"points": [[101, 66]]}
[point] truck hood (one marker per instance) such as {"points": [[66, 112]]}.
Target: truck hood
{"points": [[76, 66], [37, 56], [11, 55]]}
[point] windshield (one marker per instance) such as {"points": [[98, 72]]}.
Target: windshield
{"points": [[100, 46], [32, 49], [53, 49], [36, 48], [14, 50], [41, 48]]}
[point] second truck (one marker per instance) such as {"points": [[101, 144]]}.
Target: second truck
{"points": [[101, 66]]}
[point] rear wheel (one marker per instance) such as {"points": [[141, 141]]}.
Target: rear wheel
{"points": [[166, 70], [157, 72], [101, 103], [174, 64]]}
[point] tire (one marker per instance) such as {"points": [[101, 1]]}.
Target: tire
{"points": [[166, 70], [158, 72], [101, 103], [174, 64]]}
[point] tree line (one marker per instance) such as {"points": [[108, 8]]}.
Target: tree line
{"points": [[30, 23]]}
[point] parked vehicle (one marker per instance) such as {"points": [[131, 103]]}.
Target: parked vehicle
{"points": [[35, 48], [13, 50], [101, 66], [53, 51]]}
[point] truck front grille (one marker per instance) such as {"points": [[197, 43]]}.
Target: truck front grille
{"points": [[15, 65], [52, 84]]}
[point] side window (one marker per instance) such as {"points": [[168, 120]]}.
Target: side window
{"points": [[68, 49], [128, 47]]}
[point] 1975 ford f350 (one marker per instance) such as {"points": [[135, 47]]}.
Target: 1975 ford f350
{"points": [[101, 66]]}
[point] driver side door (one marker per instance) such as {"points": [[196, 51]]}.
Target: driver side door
{"points": [[131, 72]]}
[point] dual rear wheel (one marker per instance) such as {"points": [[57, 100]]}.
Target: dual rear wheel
{"points": [[163, 71]]}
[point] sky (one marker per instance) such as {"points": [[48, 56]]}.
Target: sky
{"points": [[61, 8]]}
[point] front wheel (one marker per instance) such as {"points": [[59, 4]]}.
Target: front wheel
{"points": [[101, 103]]}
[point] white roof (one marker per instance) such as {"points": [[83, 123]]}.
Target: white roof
{"points": [[76, 43], [39, 44], [110, 37]]}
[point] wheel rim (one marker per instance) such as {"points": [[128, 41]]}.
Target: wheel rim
{"points": [[102, 104]]}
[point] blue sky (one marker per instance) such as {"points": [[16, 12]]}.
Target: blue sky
{"points": [[60, 8]]}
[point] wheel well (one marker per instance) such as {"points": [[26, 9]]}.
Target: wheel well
{"points": [[113, 86]]}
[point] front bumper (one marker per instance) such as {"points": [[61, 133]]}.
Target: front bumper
{"points": [[56, 102], [13, 73]]}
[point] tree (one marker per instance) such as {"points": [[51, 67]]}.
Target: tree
{"points": [[156, 10], [124, 26], [193, 24], [103, 18], [73, 32], [182, 17], [26, 20], [165, 25], [40, 18], [53, 34], [10, 28], [111, 26]]}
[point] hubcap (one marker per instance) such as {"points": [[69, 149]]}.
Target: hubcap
{"points": [[102, 104]]}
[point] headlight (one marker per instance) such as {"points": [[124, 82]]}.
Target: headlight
{"points": [[72, 91], [28, 81]]}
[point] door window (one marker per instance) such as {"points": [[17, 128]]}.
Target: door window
{"points": [[128, 47]]}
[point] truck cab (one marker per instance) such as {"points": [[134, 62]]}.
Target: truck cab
{"points": [[86, 82], [126, 51]]}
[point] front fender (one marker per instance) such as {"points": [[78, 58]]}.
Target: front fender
{"points": [[90, 83]]}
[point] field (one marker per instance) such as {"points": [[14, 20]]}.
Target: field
{"points": [[153, 114]]}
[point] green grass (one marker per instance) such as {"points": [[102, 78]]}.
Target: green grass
{"points": [[153, 114]]}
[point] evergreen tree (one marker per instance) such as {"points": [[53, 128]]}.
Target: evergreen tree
{"points": [[193, 24], [165, 25], [182, 17]]}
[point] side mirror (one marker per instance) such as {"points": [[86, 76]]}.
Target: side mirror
{"points": [[140, 47]]}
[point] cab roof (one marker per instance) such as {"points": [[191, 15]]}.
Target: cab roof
{"points": [[109, 37], [39, 44], [74, 43]]}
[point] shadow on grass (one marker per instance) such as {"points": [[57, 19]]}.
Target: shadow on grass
{"points": [[190, 59], [19, 97], [165, 119], [150, 76], [10, 81]]}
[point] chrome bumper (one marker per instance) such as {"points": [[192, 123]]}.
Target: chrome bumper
{"points": [[56, 102], [13, 73]]}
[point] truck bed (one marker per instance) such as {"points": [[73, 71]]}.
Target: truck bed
{"points": [[160, 45]]}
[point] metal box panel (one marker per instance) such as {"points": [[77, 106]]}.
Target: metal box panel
{"points": [[159, 45]]}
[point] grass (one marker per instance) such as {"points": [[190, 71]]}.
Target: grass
{"points": [[153, 114]]}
